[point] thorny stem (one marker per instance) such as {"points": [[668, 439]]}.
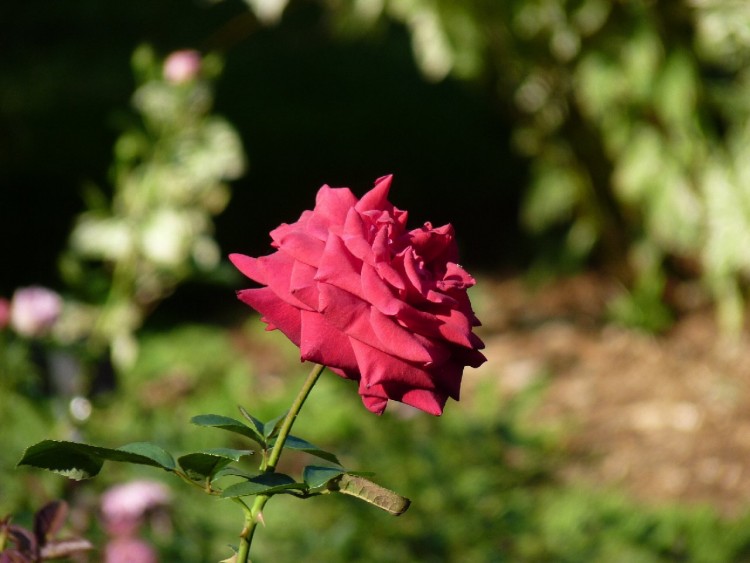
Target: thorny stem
{"points": [[253, 515]]}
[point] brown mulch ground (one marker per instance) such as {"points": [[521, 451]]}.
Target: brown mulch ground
{"points": [[665, 417]]}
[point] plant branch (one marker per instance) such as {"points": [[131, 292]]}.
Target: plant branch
{"points": [[255, 514]]}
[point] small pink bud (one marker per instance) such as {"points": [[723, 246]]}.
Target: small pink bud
{"points": [[130, 501], [128, 550], [182, 66], [34, 310]]}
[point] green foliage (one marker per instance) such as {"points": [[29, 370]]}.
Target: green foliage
{"points": [[82, 461], [482, 478], [633, 118], [204, 469], [632, 114], [643, 308]]}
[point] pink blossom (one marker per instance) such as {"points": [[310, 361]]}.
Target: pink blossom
{"points": [[182, 66], [129, 502], [34, 310], [129, 550]]}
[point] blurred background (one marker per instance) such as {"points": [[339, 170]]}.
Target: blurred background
{"points": [[594, 157]]}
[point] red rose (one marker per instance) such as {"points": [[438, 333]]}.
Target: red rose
{"points": [[373, 301]]}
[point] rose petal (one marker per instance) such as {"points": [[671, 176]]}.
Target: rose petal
{"points": [[274, 311], [324, 344], [375, 403], [455, 277], [359, 320], [300, 225], [355, 236], [301, 246], [390, 274], [346, 312], [334, 204], [346, 374], [455, 327], [435, 244], [303, 285], [339, 267], [379, 368], [396, 340], [249, 266], [424, 399], [375, 398], [380, 245], [377, 292], [377, 197], [415, 272], [277, 269], [471, 358]]}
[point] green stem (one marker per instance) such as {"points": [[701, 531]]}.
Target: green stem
{"points": [[244, 550], [255, 514]]}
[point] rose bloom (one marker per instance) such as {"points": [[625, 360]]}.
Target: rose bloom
{"points": [[33, 310], [373, 301]]}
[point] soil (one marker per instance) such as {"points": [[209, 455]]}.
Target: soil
{"points": [[664, 417]]}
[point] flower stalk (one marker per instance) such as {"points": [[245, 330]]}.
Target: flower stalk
{"points": [[254, 515]]}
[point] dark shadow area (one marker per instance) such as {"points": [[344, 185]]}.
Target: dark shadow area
{"points": [[311, 110]]}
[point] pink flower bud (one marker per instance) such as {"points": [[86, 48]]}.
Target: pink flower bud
{"points": [[182, 66], [34, 310], [125, 550], [131, 501]]}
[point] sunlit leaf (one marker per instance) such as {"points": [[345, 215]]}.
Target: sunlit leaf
{"points": [[295, 443], [82, 461], [266, 483], [257, 424], [232, 471], [231, 425], [316, 476], [272, 427], [144, 453], [206, 463]]}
